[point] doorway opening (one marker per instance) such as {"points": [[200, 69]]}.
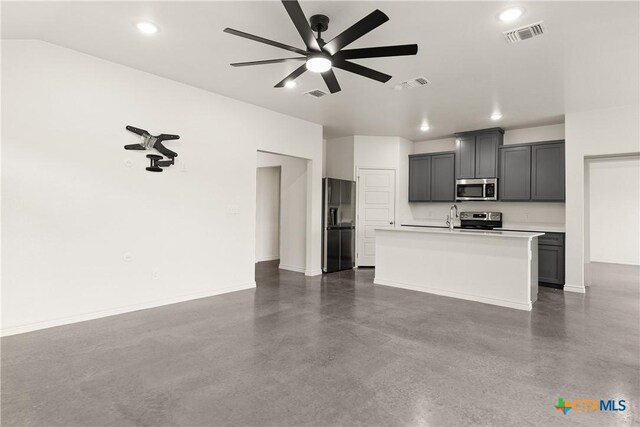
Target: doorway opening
{"points": [[268, 213], [281, 211], [612, 197]]}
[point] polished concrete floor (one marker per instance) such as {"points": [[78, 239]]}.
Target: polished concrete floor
{"points": [[335, 350]]}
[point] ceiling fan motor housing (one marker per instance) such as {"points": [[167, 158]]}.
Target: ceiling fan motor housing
{"points": [[319, 23]]}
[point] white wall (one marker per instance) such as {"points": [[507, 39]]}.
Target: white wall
{"points": [[386, 152], [534, 134], [591, 133], [512, 136], [434, 145], [324, 157], [293, 209], [339, 158], [405, 147], [376, 151], [84, 234], [614, 203], [515, 213], [268, 213]]}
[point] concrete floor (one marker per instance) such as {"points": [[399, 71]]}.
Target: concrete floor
{"points": [[335, 350]]}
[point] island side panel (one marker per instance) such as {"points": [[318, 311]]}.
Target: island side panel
{"points": [[534, 270], [489, 269]]}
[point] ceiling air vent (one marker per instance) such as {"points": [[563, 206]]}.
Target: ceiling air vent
{"points": [[412, 83], [316, 93], [527, 32]]}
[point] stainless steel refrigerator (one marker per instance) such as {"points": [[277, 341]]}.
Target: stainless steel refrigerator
{"points": [[338, 224]]}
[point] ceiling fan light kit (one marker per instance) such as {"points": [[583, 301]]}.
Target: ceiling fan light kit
{"points": [[321, 57], [319, 63]]}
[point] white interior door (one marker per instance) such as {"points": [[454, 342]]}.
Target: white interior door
{"points": [[376, 209]]}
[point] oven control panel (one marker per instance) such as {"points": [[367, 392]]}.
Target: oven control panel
{"points": [[481, 216]]}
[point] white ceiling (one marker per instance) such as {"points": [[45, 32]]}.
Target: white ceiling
{"points": [[588, 59]]}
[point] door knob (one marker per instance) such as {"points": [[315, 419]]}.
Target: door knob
{"points": [[391, 222]]}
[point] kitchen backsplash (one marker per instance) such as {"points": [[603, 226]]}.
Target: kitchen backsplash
{"points": [[513, 212]]}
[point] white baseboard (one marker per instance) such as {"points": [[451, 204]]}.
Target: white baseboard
{"points": [[268, 258], [616, 261], [313, 272], [123, 309], [442, 292], [573, 288], [291, 268]]}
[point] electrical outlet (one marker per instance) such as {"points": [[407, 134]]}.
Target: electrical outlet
{"points": [[155, 273], [526, 216], [127, 257], [128, 163]]}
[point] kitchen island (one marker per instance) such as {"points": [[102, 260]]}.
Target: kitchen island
{"points": [[493, 267]]}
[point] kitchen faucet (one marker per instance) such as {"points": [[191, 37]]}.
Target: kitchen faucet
{"points": [[450, 218]]}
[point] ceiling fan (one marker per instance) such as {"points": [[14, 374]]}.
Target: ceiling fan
{"points": [[321, 57]]}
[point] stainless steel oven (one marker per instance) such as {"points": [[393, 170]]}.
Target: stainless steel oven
{"points": [[477, 189], [481, 220]]}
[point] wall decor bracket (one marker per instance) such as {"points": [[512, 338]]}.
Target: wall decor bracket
{"points": [[154, 142]]}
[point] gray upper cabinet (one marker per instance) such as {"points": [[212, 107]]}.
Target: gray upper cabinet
{"points": [[432, 177], [532, 172], [466, 157], [547, 172], [487, 155], [515, 173], [443, 178], [419, 178], [477, 153]]}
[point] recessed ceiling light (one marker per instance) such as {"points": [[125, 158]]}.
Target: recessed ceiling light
{"points": [[496, 116], [511, 14], [425, 127], [290, 83], [146, 27], [318, 64]]}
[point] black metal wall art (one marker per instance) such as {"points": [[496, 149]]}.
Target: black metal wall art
{"points": [[154, 142]]}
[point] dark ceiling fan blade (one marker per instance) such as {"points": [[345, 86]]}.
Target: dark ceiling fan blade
{"points": [[378, 52], [293, 75], [329, 78], [266, 61], [357, 30], [300, 21], [265, 41], [361, 71]]}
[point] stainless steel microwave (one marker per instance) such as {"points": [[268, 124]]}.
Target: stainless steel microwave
{"points": [[477, 189]]}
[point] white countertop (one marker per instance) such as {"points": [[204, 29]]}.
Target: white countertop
{"points": [[458, 231], [506, 226], [549, 228]]}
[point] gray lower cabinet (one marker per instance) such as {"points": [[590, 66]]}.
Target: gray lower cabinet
{"points": [[420, 178], [443, 178], [547, 172], [432, 177], [515, 173], [551, 259]]}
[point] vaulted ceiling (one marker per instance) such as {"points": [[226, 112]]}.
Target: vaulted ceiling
{"points": [[588, 58]]}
